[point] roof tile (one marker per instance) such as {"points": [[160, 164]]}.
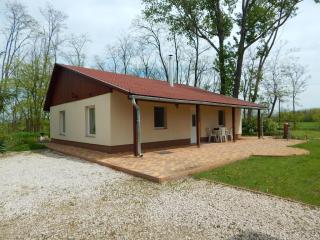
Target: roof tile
{"points": [[156, 88]]}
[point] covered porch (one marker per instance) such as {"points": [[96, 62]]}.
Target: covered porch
{"points": [[186, 122]]}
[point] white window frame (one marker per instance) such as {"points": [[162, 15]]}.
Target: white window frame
{"points": [[88, 134], [62, 122]]}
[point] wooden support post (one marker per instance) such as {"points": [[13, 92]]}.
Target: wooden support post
{"points": [[259, 123], [198, 124], [234, 124], [135, 134]]}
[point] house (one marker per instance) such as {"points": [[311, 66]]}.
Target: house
{"points": [[118, 113]]}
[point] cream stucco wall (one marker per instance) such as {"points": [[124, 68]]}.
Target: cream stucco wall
{"points": [[114, 113], [178, 119], [121, 119], [209, 118], [75, 117]]}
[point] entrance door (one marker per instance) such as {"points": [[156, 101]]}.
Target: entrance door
{"points": [[193, 127]]}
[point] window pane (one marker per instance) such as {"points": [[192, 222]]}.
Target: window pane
{"points": [[193, 120], [221, 117], [159, 117], [92, 121], [62, 122]]}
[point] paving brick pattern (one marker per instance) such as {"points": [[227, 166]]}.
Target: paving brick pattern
{"points": [[162, 165]]}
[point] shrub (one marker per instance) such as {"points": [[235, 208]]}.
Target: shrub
{"points": [[270, 127], [2, 146], [23, 141], [249, 126]]}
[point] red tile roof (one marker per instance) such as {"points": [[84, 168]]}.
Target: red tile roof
{"points": [[156, 88]]}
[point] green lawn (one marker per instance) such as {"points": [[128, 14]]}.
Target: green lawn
{"points": [[295, 177], [308, 126], [309, 130]]}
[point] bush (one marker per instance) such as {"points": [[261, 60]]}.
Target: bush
{"points": [[270, 127], [2, 146], [249, 126], [23, 141]]}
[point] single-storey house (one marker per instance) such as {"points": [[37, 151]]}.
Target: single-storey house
{"points": [[118, 113]]}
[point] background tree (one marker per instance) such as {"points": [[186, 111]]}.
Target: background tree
{"points": [[256, 21], [77, 45], [297, 82], [275, 83], [17, 30]]}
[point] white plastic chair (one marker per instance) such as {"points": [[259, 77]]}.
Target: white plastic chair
{"points": [[215, 135], [230, 134], [209, 133], [222, 134]]}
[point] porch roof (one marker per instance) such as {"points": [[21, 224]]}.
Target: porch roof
{"points": [[156, 90]]}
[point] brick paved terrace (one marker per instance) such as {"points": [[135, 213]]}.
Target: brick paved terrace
{"points": [[168, 164]]}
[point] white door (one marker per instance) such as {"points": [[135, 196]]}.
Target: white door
{"points": [[193, 127]]}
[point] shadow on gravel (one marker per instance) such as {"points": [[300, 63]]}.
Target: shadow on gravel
{"points": [[249, 235]]}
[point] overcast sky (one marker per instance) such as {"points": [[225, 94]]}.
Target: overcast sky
{"points": [[105, 20]]}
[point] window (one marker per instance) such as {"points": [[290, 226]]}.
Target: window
{"points": [[194, 120], [91, 120], [159, 117], [221, 118], [62, 122]]}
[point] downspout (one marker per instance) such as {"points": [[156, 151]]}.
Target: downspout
{"points": [[138, 125]]}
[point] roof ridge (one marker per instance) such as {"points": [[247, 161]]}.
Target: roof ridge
{"points": [[114, 73], [136, 85]]}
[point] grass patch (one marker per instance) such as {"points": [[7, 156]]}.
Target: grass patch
{"points": [[20, 141], [305, 134], [306, 130], [295, 177], [308, 126]]}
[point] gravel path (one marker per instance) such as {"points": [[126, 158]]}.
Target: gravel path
{"points": [[50, 196]]}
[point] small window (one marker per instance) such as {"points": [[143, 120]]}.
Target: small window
{"points": [[91, 120], [194, 120], [62, 122], [159, 117], [221, 118]]}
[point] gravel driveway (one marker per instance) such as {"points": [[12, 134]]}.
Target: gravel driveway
{"points": [[49, 196]]}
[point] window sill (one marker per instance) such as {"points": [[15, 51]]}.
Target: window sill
{"points": [[160, 128], [91, 135]]}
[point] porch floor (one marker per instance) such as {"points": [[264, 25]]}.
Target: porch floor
{"points": [[166, 164]]}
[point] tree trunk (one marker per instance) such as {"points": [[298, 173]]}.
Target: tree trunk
{"points": [[272, 106]]}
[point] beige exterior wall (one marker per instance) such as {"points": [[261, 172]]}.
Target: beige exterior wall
{"points": [[210, 119], [178, 122], [121, 119], [114, 113], [75, 118]]}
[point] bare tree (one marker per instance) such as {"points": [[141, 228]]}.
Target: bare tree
{"points": [[275, 85], [77, 44], [112, 60], [144, 58], [297, 80], [99, 63], [126, 52], [54, 25], [17, 33], [151, 35]]}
